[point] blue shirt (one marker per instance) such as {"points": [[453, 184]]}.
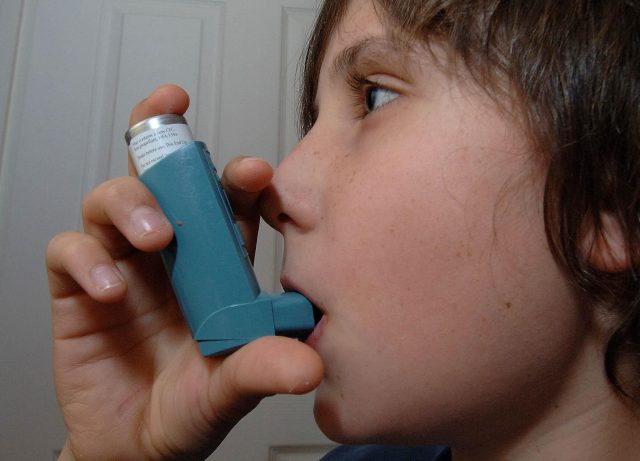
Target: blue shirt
{"points": [[388, 453]]}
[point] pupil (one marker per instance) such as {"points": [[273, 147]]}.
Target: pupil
{"points": [[372, 98]]}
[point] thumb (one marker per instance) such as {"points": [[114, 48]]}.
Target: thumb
{"points": [[267, 366]]}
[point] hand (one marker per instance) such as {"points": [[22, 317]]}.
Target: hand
{"points": [[130, 381]]}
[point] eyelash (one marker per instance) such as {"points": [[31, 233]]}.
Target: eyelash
{"points": [[359, 86]]}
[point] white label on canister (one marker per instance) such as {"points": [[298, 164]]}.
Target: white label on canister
{"points": [[151, 146]]}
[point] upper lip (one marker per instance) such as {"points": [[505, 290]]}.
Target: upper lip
{"points": [[289, 285]]}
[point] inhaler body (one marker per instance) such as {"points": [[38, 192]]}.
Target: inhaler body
{"points": [[207, 261]]}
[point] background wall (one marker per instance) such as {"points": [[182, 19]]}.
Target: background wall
{"points": [[70, 71]]}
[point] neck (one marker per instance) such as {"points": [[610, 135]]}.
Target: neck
{"points": [[608, 431], [587, 420]]}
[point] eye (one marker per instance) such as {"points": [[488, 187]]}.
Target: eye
{"points": [[368, 93], [376, 97]]}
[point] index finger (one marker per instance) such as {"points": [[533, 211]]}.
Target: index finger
{"points": [[244, 179], [166, 99]]}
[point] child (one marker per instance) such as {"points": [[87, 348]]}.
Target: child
{"points": [[463, 208]]}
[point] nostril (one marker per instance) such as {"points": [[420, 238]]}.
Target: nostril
{"points": [[283, 218]]}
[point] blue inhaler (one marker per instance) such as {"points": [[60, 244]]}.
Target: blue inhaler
{"points": [[207, 261]]}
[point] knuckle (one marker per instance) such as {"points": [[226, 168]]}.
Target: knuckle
{"points": [[75, 245], [65, 246], [117, 188], [110, 192], [96, 194], [55, 244]]}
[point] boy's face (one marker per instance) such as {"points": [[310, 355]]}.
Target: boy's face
{"points": [[418, 230]]}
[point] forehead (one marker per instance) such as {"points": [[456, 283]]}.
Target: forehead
{"points": [[360, 21]]}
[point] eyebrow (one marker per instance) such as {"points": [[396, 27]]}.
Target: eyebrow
{"points": [[370, 49]]}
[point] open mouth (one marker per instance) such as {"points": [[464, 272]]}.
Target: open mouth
{"points": [[318, 315], [314, 338]]}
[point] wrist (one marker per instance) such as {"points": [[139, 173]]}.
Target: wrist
{"points": [[66, 454]]}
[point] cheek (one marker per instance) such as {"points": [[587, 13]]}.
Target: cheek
{"points": [[400, 239], [445, 300]]}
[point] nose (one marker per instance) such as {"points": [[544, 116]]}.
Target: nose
{"points": [[292, 200]]}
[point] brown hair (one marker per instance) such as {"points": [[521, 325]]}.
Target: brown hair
{"points": [[574, 69]]}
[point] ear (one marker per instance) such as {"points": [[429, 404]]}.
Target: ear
{"points": [[607, 249]]}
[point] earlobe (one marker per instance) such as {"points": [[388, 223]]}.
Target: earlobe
{"points": [[605, 246]]}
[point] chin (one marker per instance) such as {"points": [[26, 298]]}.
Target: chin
{"points": [[362, 424], [332, 417], [347, 426]]}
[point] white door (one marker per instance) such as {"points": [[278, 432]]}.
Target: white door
{"points": [[70, 70]]}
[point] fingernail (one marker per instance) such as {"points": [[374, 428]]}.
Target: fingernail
{"points": [[300, 387], [105, 277], [147, 220], [250, 159]]}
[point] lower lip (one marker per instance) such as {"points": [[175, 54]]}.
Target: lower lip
{"points": [[316, 334]]}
